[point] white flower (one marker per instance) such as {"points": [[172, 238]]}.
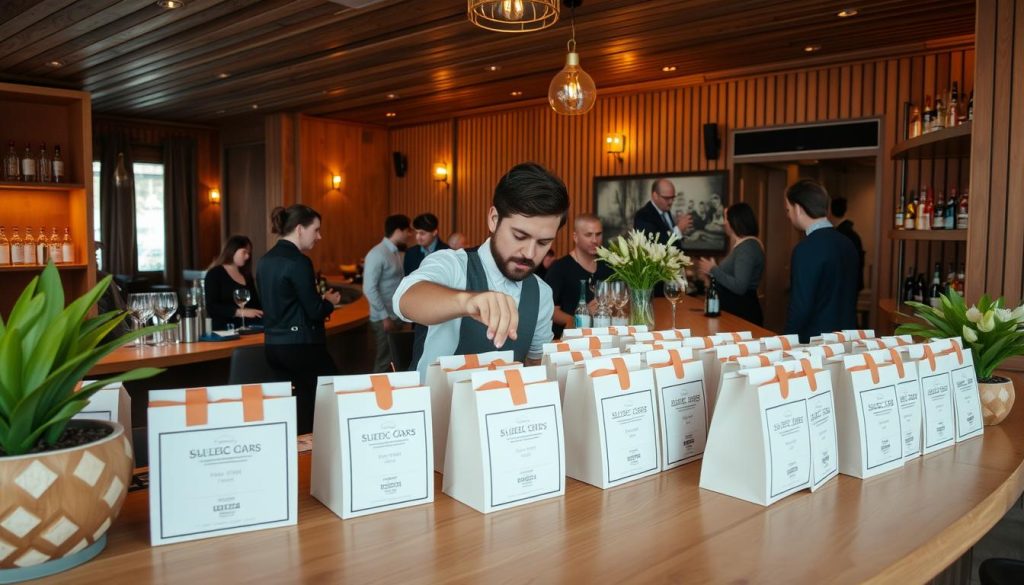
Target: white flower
{"points": [[970, 336], [1018, 314], [988, 321], [973, 314], [1004, 315]]}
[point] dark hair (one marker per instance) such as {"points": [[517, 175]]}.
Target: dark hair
{"points": [[284, 221], [530, 190], [839, 206], [811, 196], [395, 222], [426, 222], [234, 244], [742, 220]]}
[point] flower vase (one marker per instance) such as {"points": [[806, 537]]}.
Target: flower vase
{"points": [[641, 309], [996, 399]]}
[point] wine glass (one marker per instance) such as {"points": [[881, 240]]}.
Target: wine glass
{"points": [[140, 305], [242, 296], [164, 306], [602, 294], [673, 292], [619, 296]]}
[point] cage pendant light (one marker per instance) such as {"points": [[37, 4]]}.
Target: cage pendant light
{"points": [[513, 16], [572, 91]]}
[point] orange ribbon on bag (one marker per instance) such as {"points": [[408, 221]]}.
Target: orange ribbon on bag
{"points": [[783, 377], [786, 345], [708, 343], [618, 368], [898, 362], [828, 351], [869, 365], [736, 337], [954, 347], [594, 343], [513, 382], [676, 361], [197, 404], [577, 356], [382, 389], [930, 356], [473, 363]]}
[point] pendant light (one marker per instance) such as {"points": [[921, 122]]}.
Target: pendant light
{"points": [[572, 92], [515, 16]]}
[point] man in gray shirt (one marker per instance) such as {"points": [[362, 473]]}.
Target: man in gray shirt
{"points": [[381, 275]]}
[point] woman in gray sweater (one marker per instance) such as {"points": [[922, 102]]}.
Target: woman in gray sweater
{"points": [[739, 275]]}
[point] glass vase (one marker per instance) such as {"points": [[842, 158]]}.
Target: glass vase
{"points": [[641, 310]]}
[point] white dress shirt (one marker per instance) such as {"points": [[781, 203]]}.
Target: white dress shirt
{"points": [[448, 268]]}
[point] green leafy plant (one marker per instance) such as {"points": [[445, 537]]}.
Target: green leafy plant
{"points": [[45, 351], [641, 262], [993, 332]]}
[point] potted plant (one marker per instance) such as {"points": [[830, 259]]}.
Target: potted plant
{"points": [[638, 260], [63, 481], [993, 332]]}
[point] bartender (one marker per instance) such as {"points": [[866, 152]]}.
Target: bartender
{"points": [[507, 306]]}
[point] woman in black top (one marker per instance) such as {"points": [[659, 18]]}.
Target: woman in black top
{"points": [[739, 275], [230, 271], [293, 310]]}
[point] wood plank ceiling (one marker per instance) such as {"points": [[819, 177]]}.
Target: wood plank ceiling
{"points": [[218, 59]]}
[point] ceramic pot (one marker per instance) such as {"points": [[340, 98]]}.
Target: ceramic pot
{"points": [[996, 399]]}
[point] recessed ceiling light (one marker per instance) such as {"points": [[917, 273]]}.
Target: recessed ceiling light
{"points": [[847, 12], [170, 4], [516, 93], [55, 64], [812, 48], [668, 68], [392, 96], [255, 106], [492, 68], [223, 75], [391, 114]]}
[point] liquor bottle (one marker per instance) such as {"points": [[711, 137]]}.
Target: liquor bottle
{"points": [[12, 164], [910, 213], [951, 283], [949, 213], [56, 254], [926, 115], [970, 107], [67, 248], [961, 213], [953, 111], [28, 165], [900, 206], [939, 115], [29, 247], [5, 248], [938, 209], [961, 277], [711, 308], [17, 248], [919, 288], [935, 292], [908, 286], [43, 166], [58, 165], [915, 122], [923, 217], [43, 252], [582, 316]]}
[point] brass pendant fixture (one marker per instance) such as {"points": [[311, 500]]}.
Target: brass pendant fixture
{"points": [[572, 91], [513, 16]]}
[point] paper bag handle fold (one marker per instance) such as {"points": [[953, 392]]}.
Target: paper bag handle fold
{"points": [[514, 383], [618, 368], [197, 404], [677, 363]]}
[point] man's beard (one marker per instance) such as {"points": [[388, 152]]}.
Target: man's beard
{"points": [[504, 263]]}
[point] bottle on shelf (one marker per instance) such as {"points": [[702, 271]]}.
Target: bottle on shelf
{"points": [[910, 212], [923, 220], [935, 292], [951, 278], [953, 111], [12, 164], [938, 221], [58, 165], [28, 165], [711, 308], [961, 213], [67, 248], [926, 115], [939, 115], [970, 107], [17, 248], [961, 277], [582, 316], [908, 286], [915, 122], [55, 247], [949, 213], [5, 248], [29, 247], [43, 251], [919, 288], [44, 168]]}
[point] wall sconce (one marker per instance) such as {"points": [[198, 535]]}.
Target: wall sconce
{"points": [[615, 144], [214, 196], [441, 173], [336, 181]]}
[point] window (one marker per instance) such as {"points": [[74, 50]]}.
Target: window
{"points": [[149, 213], [96, 215]]}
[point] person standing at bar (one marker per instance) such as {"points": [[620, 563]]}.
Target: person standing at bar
{"points": [[823, 269], [581, 263], [489, 298], [293, 312], [381, 274], [425, 226], [656, 217], [739, 275], [231, 271], [845, 227]]}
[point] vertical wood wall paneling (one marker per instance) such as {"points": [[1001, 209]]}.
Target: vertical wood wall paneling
{"points": [[417, 192]]}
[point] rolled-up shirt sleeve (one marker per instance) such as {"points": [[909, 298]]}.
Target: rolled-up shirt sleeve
{"points": [[442, 267], [545, 313]]}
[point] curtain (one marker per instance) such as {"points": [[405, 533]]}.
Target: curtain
{"points": [[180, 207], [117, 206]]}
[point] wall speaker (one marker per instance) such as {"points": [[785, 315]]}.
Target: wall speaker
{"points": [[711, 142], [401, 163]]}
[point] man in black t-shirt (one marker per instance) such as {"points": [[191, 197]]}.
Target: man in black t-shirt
{"points": [[581, 263]]}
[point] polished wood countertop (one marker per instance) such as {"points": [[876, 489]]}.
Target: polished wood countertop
{"points": [[901, 527], [343, 318]]}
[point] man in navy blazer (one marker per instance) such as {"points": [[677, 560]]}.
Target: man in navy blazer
{"points": [[823, 270], [656, 217], [425, 225]]}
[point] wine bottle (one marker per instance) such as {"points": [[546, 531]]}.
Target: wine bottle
{"points": [[17, 248], [58, 165], [939, 115], [910, 213], [951, 278], [926, 115], [43, 251], [970, 107], [935, 292], [29, 247], [961, 214], [923, 220], [5, 248], [938, 211], [28, 165], [919, 288], [961, 277], [900, 206], [43, 166], [915, 122], [582, 316], [12, 164], [949, 214], [67, 248], [953, 113], [711, 308], [55, 247], [908, 286]]}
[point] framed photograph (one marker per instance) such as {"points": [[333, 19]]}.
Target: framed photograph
{"points": [[703, 195]]}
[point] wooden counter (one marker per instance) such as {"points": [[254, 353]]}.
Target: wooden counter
{"points": [[344, 317], [902, 527]]}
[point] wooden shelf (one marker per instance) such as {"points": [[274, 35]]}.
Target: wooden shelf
{"points": [[38, 268], [930, 235], [898, 313], [945, 143], [13, 185]]}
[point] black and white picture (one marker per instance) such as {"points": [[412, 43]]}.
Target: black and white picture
{"points": [[703, 196]]}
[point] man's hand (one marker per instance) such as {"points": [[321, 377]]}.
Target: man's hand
{"points": [[704, 265], [497, 311], [249, 313], [333, 296], [684, 222]]}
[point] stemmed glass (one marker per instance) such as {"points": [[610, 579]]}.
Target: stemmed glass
{"points": [[618, 297], [602, 294], [242, 296], [164, 306], [140, 305], [673, 292]]}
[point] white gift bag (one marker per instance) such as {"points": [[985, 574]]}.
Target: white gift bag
{"points": [[774, 433], [949, 387], [112, 402], [373, 443], [506, 444], [683, 414], [646, 346], [222, 460], [577, 343], [442, 375], [662, 335], [611, 423], [713, 359], [824, 352], [558, 364], [622, 335], [847, 337], [783, 342], [872, 344]]}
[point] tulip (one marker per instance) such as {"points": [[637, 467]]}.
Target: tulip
{"points": [[988, 321], [1004, 315], [970, 336], [973, 314], [1018, 314]]}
